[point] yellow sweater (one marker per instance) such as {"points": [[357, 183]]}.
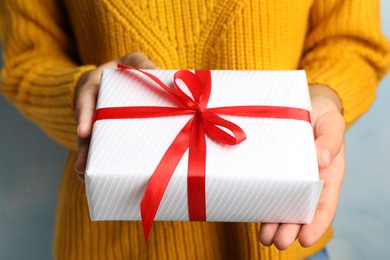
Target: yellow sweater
{"points": [[48, 44]]}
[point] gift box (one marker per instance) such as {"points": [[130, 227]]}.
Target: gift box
{"points": [[230, 146]]}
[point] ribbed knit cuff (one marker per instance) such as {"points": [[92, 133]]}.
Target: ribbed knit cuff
{"points": [[355, 83], [45, 95]]}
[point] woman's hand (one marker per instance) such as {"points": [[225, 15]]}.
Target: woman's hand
{"points": [[329, 128], [85, 102]]}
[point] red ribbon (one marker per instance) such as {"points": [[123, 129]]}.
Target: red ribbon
{"points": [[191, 136]]}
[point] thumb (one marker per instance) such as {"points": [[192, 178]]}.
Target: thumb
{"points": [[329, 131], [137, 60]]}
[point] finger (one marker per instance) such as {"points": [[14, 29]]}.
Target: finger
{"points": [[85, 109], [326, 209], [79, 166], [267, 233], [86, 99], [323, 218], [286, 235], [137, 60], [311, 233], [329, 134]]}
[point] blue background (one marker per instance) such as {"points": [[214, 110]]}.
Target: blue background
{"points": [[31, 166]]}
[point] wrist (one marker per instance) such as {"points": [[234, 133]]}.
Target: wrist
{"points": [[319, 91]]}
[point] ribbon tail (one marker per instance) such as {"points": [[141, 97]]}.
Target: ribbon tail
{"points": [[196, 181], [161, 177]]}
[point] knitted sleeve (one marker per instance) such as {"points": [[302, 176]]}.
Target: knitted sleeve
{"points": [[40, 71], [346, 51]]}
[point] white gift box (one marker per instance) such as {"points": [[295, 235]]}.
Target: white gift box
{"points": [[270, 177]]}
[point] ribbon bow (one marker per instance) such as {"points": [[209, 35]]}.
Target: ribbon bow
{"points": [[192, 136]]}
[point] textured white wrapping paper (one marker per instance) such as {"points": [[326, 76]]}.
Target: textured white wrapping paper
{"points": [[271, 177]]}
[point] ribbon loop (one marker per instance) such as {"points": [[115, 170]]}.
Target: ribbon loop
{"points": [[211, 121], [183, 99], [205, 77], [192, 82]]}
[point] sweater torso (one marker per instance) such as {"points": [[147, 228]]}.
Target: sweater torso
{"points": [[224, 34]]}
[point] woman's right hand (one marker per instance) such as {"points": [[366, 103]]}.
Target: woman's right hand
{"points": [[85, 102]]}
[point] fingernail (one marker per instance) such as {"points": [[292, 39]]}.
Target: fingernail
{"points": [[325, 154], [81, 177], [75, 166]]}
